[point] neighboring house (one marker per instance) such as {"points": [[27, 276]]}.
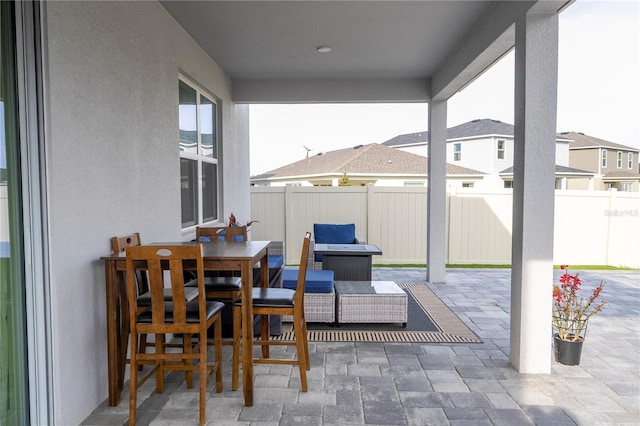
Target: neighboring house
{"points": [[487, 145], [615, 166], [371, 164]]}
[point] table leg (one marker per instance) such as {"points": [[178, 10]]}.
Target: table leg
{"points": [[113, 368], [265, 330], [247, 335]]}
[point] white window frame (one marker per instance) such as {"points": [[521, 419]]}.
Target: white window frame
{"points": [[457, 151], [501, 152], [201, 158], [630, 160], [603, 160], [619, 160]]}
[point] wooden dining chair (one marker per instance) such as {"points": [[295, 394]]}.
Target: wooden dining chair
{"points": [[211, 234], [219, 285], [278, 301], [143, 298], [178, 317]]}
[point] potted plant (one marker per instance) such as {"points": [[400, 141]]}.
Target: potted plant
{"points": [[571, 312]]}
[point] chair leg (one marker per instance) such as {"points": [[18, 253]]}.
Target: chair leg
{"points": [[265, 332], [133, 380], [187, 348], [306, 343], [160, 340], [218, 349], [300, 339], [202, 343], [237, 334], [142, 348]]}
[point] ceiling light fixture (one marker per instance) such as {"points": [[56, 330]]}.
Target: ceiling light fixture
{"points": [[324, 49]]}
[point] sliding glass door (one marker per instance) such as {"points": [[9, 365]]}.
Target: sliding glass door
{"points": [[13, 371]]}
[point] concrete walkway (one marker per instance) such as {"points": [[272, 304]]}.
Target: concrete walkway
{"points": [[433, 384]]}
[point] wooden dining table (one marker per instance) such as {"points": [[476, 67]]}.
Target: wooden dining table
{"points": [[219, 256]]}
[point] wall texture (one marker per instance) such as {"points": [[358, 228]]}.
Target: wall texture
{"points": [[111, 79]]}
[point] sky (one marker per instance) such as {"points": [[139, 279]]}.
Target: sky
{"points": [[598, 95]]}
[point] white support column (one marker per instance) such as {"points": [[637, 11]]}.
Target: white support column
{"points": [[536, 72], [437, 192]]}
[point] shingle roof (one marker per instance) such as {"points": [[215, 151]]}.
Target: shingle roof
{"points": [[621, 174], [560, 170], [582, 141], [480, 127], [363, 159]]}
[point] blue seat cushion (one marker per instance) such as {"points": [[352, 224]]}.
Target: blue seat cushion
{"points": [[318, 281], [330, 233], [276, 261]]}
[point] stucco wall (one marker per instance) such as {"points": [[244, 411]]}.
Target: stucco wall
{"points": [[111, 84]]}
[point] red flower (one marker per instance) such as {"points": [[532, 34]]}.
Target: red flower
{"points": [[570, 311]]}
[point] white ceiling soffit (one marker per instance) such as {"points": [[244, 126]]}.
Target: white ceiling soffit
{"points": [[381, 51]]}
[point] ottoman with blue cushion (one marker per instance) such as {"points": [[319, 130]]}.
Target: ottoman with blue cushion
{"points": [[319, 294]]}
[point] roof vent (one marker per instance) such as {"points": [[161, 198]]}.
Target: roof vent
{"points": [[357, 147], [320, 153], [475, 121]]}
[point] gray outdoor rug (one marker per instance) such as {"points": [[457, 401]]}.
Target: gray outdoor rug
{"points": [[429, 320]]}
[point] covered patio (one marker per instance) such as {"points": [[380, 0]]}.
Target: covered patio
{"points": [[100, 147]]}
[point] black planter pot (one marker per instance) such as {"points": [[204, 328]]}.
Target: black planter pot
{"points": [[567, 352]]}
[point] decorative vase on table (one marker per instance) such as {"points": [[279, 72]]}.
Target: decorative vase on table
{"points": [[570, 315]]}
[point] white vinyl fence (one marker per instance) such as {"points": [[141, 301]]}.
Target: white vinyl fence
{"points": [[591, 227]]}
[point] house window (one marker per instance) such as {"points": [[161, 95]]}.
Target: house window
{"points": [[457, 151], [630, 160], [467, 184], [198, 142], [501, 145], [604, 158], [619, 160], [508, 184]]}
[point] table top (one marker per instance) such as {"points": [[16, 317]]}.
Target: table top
{"points": [[221, 249], [350, 249]]}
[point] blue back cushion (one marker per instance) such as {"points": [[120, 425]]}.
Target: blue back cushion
{"points": [[328, 233]]}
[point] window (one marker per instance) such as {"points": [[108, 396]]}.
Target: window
{"points": [[457, 151], [604, 158], [630, 160], [619, 160], [467, 184], [198, 156], [508, 184], [501, 145]]}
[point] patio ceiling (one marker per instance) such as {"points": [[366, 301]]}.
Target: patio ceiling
{"points": [[380, 50]]}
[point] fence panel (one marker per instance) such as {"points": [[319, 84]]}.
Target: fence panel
{"points": [[591, 227]]}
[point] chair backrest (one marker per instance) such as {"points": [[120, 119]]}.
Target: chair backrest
{"points": [[156, 259], [212, 234], [118, 244], [302, 273]]}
